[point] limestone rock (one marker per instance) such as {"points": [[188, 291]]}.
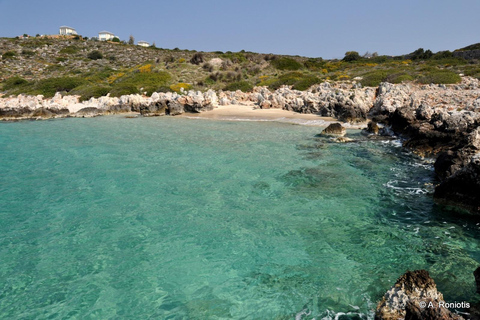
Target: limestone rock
{"points": [[461, 188], [372, 127], [335, 129], [406, 298]]}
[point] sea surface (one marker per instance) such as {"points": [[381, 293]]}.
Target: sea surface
{"points": [[174, 218]]}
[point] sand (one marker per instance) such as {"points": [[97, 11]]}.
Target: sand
{"points": [[250, 113]]}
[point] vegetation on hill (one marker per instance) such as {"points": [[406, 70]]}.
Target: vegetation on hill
{"points": [[92, 68], [475, 46]]}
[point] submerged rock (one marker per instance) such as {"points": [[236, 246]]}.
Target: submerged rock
{"points": [[343, 139], [414, 296], [334, 129]]}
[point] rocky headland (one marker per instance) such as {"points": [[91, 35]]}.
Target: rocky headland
{"points": [[439, 121]]}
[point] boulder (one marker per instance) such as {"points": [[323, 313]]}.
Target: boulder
{"points": [[372, 127], [88, 112], [158, 108], [410, 298], [461, 189], [175, 108], [334, 129]]}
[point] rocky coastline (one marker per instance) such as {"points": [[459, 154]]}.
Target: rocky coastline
{"points": [[441, 121]]}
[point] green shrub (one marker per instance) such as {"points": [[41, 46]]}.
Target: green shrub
{"points": [[14, 82], [440, 77], [48, 87], [8, 55], [115, 39], [286, 64], [475, 46], [197, 58], [146, 81], [306, 83], [123, 89], [69, 50], [236, 57], [240, 85], [447, 61], [297, 80], [95, 55], [374, 78], [90, 91], [398, 77], [351, 56], [99, 75], [163, 89], [403, 78], [442, 55], [27, 53], [314, 64], [378, 59], [421, 54]]}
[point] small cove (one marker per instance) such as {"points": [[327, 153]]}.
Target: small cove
{"points": [[197, 219]]}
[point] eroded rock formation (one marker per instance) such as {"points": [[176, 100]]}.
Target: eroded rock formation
{"points": [[415, 297]]}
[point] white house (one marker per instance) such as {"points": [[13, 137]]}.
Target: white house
{"points": [[67, 31], [105, 36], [143, 43]]}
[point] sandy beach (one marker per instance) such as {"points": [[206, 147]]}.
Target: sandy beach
{"points": [[251, 113]]}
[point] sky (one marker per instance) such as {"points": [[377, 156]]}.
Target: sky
{"points": [[312, 28]]}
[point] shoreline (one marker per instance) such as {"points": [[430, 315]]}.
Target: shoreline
{"points": [[237, 112]]}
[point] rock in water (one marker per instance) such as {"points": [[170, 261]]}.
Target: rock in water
{"points": [[475, 309], [372, 127], [334, 129], [477, 278], [410, 298], [343, 139], [462, 188]]}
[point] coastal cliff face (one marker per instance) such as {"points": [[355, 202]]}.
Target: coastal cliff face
{"points": [[170, 103], [435, 120]]}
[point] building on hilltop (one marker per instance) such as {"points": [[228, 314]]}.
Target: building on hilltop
{"points": [[105, 36], [143, 43], [67, 31]]}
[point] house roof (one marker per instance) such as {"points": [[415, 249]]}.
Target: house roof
{"points": [[67, 27], [141, 41], [106, 32]]}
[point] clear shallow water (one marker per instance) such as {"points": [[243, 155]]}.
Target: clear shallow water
{"points": [[169, 218]]}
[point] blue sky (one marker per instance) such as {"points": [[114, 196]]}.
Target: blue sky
{"points": [[320, 28]]}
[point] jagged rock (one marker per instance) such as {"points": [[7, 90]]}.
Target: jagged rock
{"points": [[335, 129], [461, 188], [175, 108], [88, 112], [474, 310], [413, 311], [343, 139], [158, 108], [158, 104], [405, 299], [372, 127], [476, 274]]}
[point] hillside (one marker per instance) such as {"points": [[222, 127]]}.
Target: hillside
{"points": [[93, 68]]}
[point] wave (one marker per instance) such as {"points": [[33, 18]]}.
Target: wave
{"points": [[396, 185]]}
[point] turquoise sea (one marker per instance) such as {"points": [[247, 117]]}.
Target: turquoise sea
{"points": [[175, 218]]}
